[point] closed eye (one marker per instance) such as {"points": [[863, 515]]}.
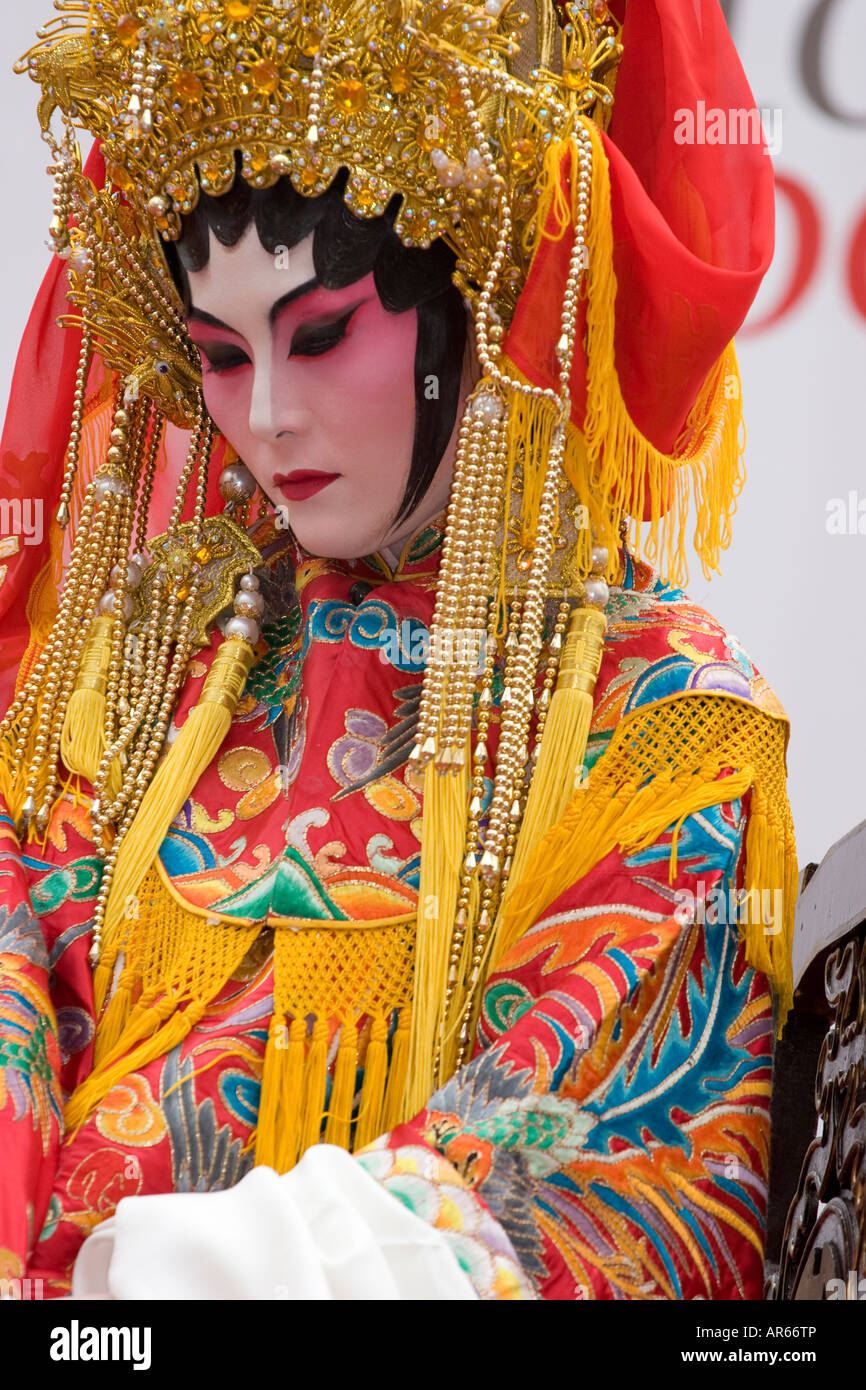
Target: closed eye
{"points": [[222, 357], [315, 340]]}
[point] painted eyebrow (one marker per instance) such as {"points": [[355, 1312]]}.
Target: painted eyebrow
{"points": [[296, 293], [273, 313]]}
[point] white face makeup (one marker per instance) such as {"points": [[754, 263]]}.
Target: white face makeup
{"points": [[315, 389]]}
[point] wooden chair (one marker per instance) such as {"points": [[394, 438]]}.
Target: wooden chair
{"points": [[816, 1230]]}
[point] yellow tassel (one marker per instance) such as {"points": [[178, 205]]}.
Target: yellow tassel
{"points": [[42, 602], [146, 1016], [288, 1132], [771, 865], [393, 1113], [102, 977], [559, 766], [12, 800], [446, 799], [339, 1126], [174, 963], [269, 1097], [315, 1085], [369, 1125], [186, 760], [530, 425], [279, 1123], [14, 775], [82, 742], [91, 1092], [113, 1021]]}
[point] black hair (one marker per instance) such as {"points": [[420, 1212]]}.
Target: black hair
{"points": [[345, 249]]}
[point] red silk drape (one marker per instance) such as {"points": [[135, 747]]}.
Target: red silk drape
{"points": [[693, 223]]}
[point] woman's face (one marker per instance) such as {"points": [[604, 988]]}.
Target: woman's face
{"points": [[305, 381]]}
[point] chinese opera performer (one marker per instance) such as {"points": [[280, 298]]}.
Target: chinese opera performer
{"points": [[366, 768]]}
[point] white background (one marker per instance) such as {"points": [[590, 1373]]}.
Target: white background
{"points": [[789, 590]]}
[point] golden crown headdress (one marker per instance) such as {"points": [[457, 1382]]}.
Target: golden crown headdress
{"points": [[416, 97]]}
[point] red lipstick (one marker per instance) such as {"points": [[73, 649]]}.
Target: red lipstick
{"points": [[302, 483]]}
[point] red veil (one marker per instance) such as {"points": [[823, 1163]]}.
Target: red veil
{"points": [[693, 222]]}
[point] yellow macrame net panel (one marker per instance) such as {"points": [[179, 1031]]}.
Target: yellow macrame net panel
{"points": [[343, 985], [664, 763], [342, 996]]}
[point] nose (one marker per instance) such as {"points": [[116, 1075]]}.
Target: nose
{"points": [[275, 407]]}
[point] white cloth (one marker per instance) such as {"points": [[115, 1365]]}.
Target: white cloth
{"points": [[326, 1230]]}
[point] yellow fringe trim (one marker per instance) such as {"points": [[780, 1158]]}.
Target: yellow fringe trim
{"points": [[529, 427], [664, 763], [171, 962], [281, 1094], [315, 1084], [628, 472]]}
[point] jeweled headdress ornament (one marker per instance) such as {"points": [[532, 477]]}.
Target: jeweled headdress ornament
{"points": [[418, 99], [486, 122]]}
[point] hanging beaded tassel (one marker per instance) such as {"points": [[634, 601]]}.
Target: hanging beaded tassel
{"points": [[514, 771], [465, 870], [84, 691], [458, 639], [135, 733], [34, 724], [565, 715], [85, 725], [151, 796], [168, 787]]}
